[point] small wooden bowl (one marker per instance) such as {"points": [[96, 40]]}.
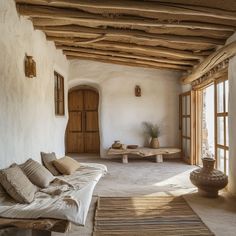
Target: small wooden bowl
{"points": [[132, 146], [117, 147]]}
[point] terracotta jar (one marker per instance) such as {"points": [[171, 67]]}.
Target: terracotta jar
{"points": [[208, 180], [154, 143]]}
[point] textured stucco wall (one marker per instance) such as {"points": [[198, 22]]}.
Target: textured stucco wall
{"points": [[121, 113], [27, 121]]}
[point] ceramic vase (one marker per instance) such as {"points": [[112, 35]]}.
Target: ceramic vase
{"points": [[154, 143], [208, 180], [116, 144]]}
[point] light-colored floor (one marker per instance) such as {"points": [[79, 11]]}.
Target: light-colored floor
{"points": [[142, 177]]}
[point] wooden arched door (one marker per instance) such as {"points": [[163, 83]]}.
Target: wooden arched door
{"points": [[83, 129]]}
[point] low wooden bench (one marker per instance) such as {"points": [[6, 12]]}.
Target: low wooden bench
{"points": [[38, 226], [143, 152]]}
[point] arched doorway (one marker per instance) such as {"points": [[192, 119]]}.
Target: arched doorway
{"points": [[82, 134]]}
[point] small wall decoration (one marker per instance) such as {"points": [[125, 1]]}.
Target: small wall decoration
{"points": [[137, 91], [30, 67]]}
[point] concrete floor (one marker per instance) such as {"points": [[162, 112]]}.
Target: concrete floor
{"points": [[144, 177]]}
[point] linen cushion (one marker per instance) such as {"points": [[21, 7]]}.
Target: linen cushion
{"points": [[17, 185], [66, 165], [37, 173], [47, 159]]}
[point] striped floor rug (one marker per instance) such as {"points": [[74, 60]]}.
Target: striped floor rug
{"points": [[147, 216]]}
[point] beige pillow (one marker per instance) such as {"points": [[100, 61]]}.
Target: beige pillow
{"points": [[17, 185], [47, 159], [66, 165], [37, 173]]}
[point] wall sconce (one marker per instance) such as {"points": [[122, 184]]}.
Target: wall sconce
{"points": [[30, 67], [137, 91]]}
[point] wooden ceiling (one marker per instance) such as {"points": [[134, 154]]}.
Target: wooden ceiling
{"points": [[172, 34]]}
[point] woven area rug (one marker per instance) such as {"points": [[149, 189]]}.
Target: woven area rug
{"points": [[147, 216]]}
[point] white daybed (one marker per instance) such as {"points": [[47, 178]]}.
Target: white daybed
{"points": [[67, 198]]}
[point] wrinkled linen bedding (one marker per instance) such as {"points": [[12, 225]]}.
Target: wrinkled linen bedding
{"points": [[67, 197]]}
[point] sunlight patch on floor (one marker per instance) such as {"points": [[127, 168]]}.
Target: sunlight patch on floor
{"points": [[175, 185]]}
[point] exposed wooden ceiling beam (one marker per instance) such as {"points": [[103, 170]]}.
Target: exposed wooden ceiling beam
{"points": [[229, 5], [145, 9], [172, 34], [54, 19], [81, 16], [125, 55], [131, 48], [144, 42], [148, 26], [139, 41], [133, 33], [162, 30], [211, 61], [135, 36], [111, 59]]}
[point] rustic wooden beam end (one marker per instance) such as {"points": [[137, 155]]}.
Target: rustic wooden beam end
{"points": [[210, 62]]}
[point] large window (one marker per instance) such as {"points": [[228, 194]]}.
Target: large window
{"points": [[207, 122], [212, 123], [59, 94], [221, 124]]}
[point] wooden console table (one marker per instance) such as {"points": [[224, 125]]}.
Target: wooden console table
{"points": [[143, 152]]}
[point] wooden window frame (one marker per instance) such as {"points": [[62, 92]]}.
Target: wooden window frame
{"points": [[59, 97], [198, 118], [191, 116], [223, 114], [198, 93]]}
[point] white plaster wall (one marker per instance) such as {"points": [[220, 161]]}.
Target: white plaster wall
{"points": [[232, 120], [27, 121], [121, 113], [186, 88]]}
